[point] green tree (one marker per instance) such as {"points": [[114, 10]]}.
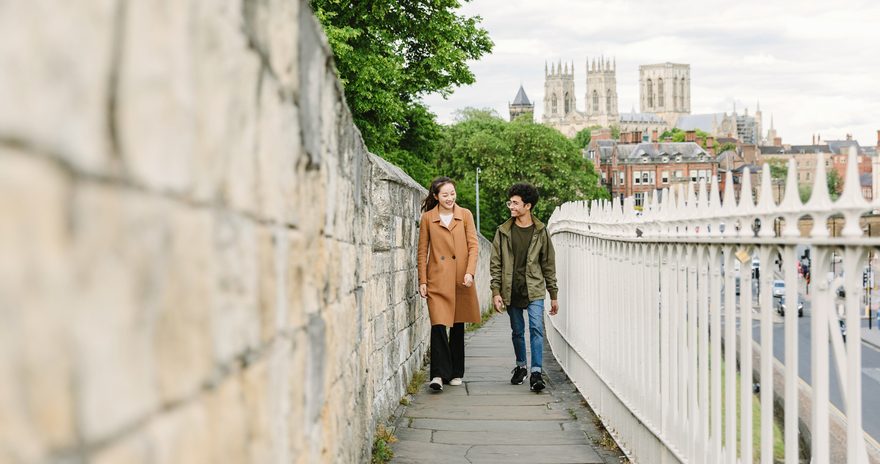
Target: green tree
{"points": [[508, 152], [583, 137], [726, 146], [615, 132], [778, 169], [678, 135], [832, 181], [389, 54]]}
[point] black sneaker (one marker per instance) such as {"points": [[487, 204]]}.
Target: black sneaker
{"points": [[536, 382], [519, 373]]}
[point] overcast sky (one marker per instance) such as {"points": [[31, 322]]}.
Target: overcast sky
{"points": [[814, 65]]}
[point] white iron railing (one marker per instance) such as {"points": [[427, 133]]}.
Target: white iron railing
{"points": [[646, 314]]}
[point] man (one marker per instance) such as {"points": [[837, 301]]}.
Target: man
{"points": [[523, 268]]}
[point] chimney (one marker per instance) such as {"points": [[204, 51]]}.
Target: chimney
{"points": [[637, 136], [654, 136], [777, 142], [690, 136], [710, 141]]}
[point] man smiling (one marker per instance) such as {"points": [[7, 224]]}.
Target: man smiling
{"points": [[523, 268]]}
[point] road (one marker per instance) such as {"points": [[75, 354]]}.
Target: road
{"points": [[870, 367]]}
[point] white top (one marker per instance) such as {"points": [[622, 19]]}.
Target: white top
{"points": [[446, 219]]}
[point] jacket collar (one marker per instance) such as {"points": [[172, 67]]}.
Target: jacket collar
{"points": [[505, 228], [456, 215]]}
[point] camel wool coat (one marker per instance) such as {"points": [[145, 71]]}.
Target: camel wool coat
{"points": [[445, 255]]}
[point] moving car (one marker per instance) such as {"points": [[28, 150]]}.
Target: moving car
{"points": [[778, 288], [780, 306]]}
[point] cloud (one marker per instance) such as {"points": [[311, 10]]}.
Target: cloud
{"points": [[811, 64]]}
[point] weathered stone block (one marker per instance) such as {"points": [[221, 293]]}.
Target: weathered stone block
{"points": [[272, 28], [36, 290], [67, 116], [235, 324], [121, 243], [182, 339], [278, 156]]}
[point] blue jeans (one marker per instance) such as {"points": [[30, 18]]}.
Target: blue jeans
{"points": [[536, 333]]}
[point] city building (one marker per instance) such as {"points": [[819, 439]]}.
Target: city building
{"points": [[521, 105], [600, 101], [664, 103], [665, 90], [631, 167]]}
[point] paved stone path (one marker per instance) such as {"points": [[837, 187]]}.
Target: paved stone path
{"points": [[488, 420]]}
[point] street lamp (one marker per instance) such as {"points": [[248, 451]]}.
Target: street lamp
{"points": [[478, 200]]}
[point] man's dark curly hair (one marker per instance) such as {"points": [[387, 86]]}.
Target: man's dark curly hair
{"points": [[527, 192]]}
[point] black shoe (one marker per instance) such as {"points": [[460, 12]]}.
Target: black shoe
{"points": [[519, 373], [536, 382], [436, 384]]}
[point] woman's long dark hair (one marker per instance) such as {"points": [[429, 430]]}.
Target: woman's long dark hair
{"points": [[431, 201]]}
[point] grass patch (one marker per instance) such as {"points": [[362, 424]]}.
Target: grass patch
{"points": [[778, 443], [572, 414], [485, 316], [404, 401], [418, 378], [382, 452]]}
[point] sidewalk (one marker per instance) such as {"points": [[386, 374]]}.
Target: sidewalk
{"points": [[488, 420]]}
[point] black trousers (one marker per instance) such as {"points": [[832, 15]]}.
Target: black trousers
{"points": [[447, 352]]}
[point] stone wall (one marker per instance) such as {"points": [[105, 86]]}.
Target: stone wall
{"points": [[200, 261]]}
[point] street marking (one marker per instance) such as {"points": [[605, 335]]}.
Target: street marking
{"points": [[873, 372]]}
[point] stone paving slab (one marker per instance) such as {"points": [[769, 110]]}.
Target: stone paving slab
{"points": [[493, 400], [507, 438], [523, 413], [487, 420], [466, 425]]}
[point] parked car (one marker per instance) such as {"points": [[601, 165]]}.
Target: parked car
{"points": [[780, 306], [778, 288]]}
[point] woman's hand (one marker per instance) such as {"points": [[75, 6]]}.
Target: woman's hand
{"points": [[423, 290], [468, 280]]}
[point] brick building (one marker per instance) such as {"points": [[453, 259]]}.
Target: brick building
{"points": [[632, 168]]}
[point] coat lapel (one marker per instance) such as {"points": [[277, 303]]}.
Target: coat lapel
{"points": [[456, 217]]}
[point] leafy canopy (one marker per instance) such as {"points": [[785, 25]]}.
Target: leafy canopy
{"points": [[389, 54], [510, 152]]}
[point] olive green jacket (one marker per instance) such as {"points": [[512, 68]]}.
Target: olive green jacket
{"points": [[540, 263]]}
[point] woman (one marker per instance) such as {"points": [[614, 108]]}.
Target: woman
{"points": [[447, 260]]}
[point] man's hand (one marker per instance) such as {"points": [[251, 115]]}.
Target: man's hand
{"points": [[468, 280], [499, 303], [423, 290], [554, 307]]}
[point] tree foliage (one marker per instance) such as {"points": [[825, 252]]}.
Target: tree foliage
{"points": [[678, 135], [391, 53], [726, 146], [583, 137], [509, 152]]}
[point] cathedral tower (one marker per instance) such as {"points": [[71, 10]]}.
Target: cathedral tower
{"points": [[601, 96], [559, 100], [521, 105], [665, 90]]}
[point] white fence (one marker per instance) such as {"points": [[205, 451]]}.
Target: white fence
{"points": [[647, 326]]}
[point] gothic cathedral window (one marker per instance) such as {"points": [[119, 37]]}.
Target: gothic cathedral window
{"points": [[567, 100], [649, 91], [608, 101], [675, 93], [681, 94], [595, 101], [553, 104], [660, 93]]}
